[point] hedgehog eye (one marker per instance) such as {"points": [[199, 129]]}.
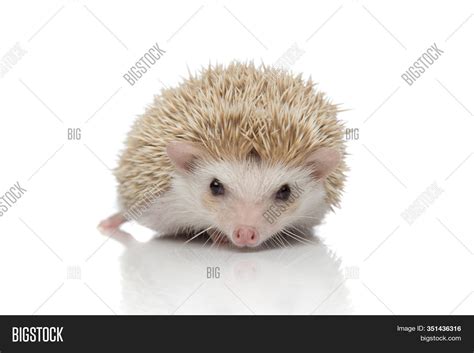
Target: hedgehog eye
{"points": [[216, 187], [284, 193]]}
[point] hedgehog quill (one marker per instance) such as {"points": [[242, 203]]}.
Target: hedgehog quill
{"points": [[226, 146]]}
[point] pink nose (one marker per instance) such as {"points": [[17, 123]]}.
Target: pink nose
{"points": [[245, 235]]}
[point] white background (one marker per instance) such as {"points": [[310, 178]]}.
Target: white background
{"points": [[369, 259]]}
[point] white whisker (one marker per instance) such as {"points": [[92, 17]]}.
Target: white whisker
{"points": [[317, 218], [298, 237], [198, 234]]}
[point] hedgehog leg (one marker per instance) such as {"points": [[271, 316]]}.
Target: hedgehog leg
{"points": [[112, 224]]}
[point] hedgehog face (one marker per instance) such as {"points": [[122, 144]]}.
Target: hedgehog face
{"points": [[250, 202]]}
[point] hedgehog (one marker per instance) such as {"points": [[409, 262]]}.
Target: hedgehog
{"points": [[244, 154]]}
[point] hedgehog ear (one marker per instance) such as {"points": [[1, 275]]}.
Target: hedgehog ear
{"points": [[323, 162], [182, 154]]}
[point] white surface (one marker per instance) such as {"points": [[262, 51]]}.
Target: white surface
{"points": [[373, 261]]}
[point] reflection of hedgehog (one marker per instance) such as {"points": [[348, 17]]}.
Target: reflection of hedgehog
{"points": [[245, 153]]}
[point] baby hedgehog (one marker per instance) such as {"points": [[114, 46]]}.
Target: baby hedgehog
{"points": [[244, 153]]}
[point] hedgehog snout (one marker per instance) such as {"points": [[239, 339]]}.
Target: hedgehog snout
{"points": [[245, 224], [245, 236]]}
